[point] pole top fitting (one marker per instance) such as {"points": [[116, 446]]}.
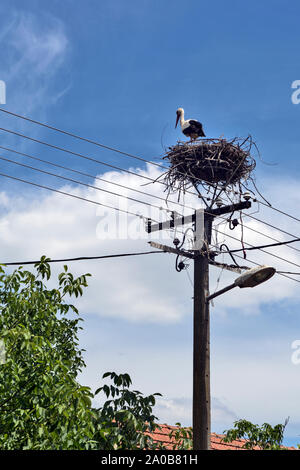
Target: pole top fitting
{"points": [[176, 242], [247, 196]]}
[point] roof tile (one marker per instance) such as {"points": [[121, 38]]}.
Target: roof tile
{"points": [[161, 436]]}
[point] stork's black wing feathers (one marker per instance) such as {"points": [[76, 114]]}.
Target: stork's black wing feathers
{"points": [[196, 126]]}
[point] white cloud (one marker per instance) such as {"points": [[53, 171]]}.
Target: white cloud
{"points": [[146, 291], [34, 48], [222, 416], [173, 410], [261, 386], [39, 46], [167, 409], [62, 227]]}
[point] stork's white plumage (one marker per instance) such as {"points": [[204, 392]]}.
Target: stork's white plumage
{"points": [[190, 127]]}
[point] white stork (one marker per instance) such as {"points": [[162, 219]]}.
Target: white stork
{"points": [[190, 127]]}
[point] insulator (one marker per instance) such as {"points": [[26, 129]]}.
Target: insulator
{"points": [[181, 265], [148, 225], [247, 196], [176, 241]]}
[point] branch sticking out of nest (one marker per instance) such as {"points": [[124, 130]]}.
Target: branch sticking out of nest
{"points": [[209, 162]]}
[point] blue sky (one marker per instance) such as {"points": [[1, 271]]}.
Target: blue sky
{"points": [[116, 72]]}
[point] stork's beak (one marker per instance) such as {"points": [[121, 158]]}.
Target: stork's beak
{"points": [[177, 119]]}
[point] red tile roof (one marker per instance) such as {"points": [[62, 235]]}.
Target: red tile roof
{"points": [[161, 435]]}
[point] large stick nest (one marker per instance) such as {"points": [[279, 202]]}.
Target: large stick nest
{"points": [[209, 162]]}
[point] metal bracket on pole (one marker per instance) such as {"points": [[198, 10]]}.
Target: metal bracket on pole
{"points": [[199, 230], [175, 222], [229, 267], [169, 249]]}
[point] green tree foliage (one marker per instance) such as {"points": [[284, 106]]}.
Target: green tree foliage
{"points": [[42, 405], [126, 417], [182, 437], [264, 437]]}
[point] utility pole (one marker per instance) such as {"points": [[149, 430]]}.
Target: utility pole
{"points": [[201, 326], [201, 345]]}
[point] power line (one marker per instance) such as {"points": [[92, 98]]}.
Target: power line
{"points": [[263, 234], [120, 169], [278, 210], [62, 149], [86, 157], [126, 187], [280, 273], [93, 177], [288, 272], [82, 258], [265, 246], [84, 139], [159, 165], [255, 199], [268, 224], [264, 251], [271, 238], [72, 195], [79, 182]]}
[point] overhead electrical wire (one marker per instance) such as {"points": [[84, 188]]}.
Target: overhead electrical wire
{"points": [[79, 182], [84, 139], [268, 224], [75, 136], [262, 250], [252, 247], [72, 195], [265, 246], [138, 201], [278, 210], [93, 142], [264, 234], [71, 152], [129, 213], [288, 272], [159, 165], [32, 157], [271, 238], [81, 258], [120, 169], [86, 157], [120, 195], [267, 204], [280, 273]]}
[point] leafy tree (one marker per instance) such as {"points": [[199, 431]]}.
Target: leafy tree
{"points": [[126, 419], [182, 438], [42, 406], [265, 437]]}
